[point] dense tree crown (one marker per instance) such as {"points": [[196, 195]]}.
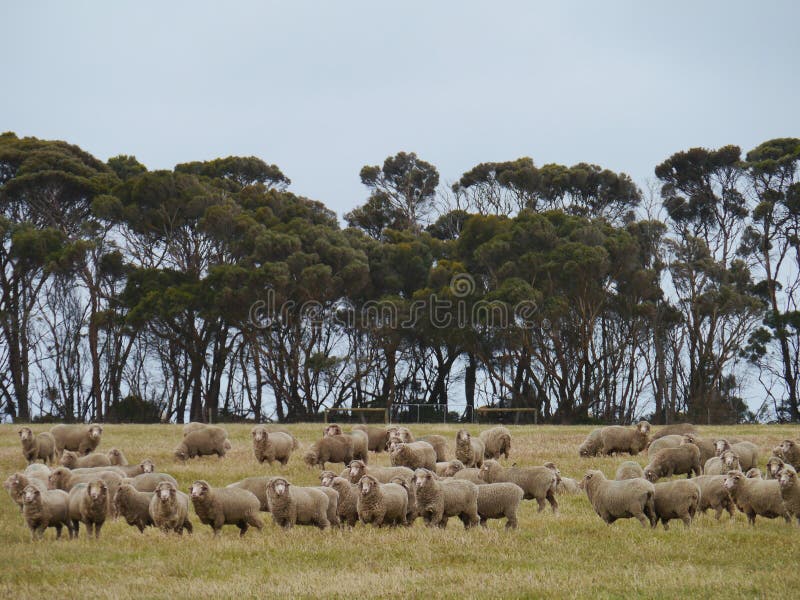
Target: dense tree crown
{"points": [[212, 292]]}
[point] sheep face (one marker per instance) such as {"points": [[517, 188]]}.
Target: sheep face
{"points": [[115, 456], [25, 434], [774, 466], [31, 495], [454, 467], [182, 452], [12, 482], [98, 490], [357, 469], [787, 479], [165, 491], [788, 447], [487, 468], [326, 478], [310, 458], [367, 484], [259, 434], [733, 480], [69, 459], [58, 478], [200, 489], [753, 473], [147, 466], [643, 427], [331, 430], [730, 459], [588, 479], [95, 431], [422, 478], [720, 446], [463, 436], [279, 486], [650, 475]]}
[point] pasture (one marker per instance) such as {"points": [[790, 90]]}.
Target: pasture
{"points": [[573, 554]]}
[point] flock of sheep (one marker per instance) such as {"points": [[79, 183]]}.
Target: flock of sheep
{"points": [[89, 487]]}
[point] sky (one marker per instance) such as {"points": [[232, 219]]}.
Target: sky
{"points": [[323, 88]]}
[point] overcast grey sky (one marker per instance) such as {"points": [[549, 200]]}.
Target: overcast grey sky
{"points": [[322, 88]]}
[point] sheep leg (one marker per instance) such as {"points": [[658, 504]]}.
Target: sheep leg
{"points": [[243, 527], [187, 525], [541, 503], [751, 518], [443, 522], [687, 521], [58, 531], [483, 522], [511, 522], [665, 523], [76, 526], [643, 520], [551, 498]]}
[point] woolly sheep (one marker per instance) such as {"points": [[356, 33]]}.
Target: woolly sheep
{"points": [[790, 453], [456, 470], [148, 482], [82, 439], [41, 446], [193, 426], [629, 470], [592, 445], [71, 460], [676, 500], [43, 509], [38, 471], [381, 504], [714, 495], [378, 437], [64, 479], [416, 455], [564, 485], [746, 451], [668, 441], [336, 449], [347, 509], [537, 482], [357, 469], [756, 497], [707, 447], [89, 504], [202, 442], [133, 506], [146, 466], [439, 443], [612, 500], [674, 429], [269, 447], [15, 486], [226, 506], [404, 433], [617, 439], [292, 505], [499, 500], [469, 450], [331, 430], [720, 465], [440, 499], [496, 442], [256, 486], [441, 467], [774, 467], [674, 461], [790, 492], [754, 473], [411, 491], [169, 509], [360, 444]]}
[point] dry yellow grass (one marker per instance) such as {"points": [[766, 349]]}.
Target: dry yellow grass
{"points": [[571, 555]]}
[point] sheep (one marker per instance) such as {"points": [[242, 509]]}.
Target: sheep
{"points": [[256, 486], [381, 504], [592, 445], [416, 455], [357, 469], [146, 466], [632, 440], [790, 453], [347, 510], [456, 470], [225, 506], [537, 482], [404, 433], [564, 485], [331, 430], [496, 442], [674, 461], [133, 506], [192, 426], [439, 443], [790, 492], [453, 467], [16, 484], [71, 460], [378, 437], [628, 470], [714, 495], [202, 442], [333, 504], [41, 446], [707, 447], [43, 509], [624, 499], [746, 451], [676, 500], [498, 500], [38, 471], [756, 497], [674, 429], [469, 450], [271, 447], [82, 439], [441, 467], [89, 504], [754, 473], [440, 499], [360, 444], [336, 449], [668, 441], [148, 482], [169, 509], [411, 491], [291, 505], [774, 467], [720, 465], [64, 479]]}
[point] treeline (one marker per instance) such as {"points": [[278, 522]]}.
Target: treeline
{"points": [[211, 292]]}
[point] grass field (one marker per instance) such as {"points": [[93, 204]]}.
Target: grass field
{"points": [[573, 554]]}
